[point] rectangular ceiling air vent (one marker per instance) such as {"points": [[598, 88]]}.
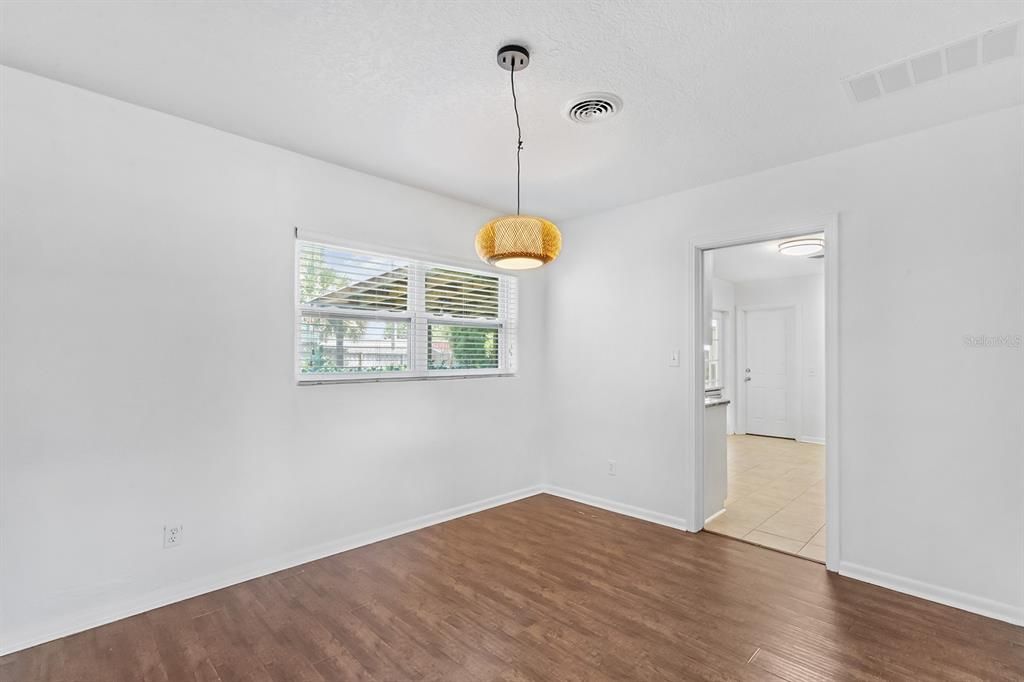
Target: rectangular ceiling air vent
{"points": [[961, 55]]}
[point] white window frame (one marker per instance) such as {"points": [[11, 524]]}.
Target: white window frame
{"points": [[416, 316], [720, 343]]}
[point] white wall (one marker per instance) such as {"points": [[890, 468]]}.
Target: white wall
{"points": [[807, 296], [932, 493], [147, 279]]}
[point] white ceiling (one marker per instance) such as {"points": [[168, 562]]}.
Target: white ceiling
{"points": [[410, 90], [763, 261]]}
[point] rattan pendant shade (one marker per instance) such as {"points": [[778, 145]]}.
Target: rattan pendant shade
{"points": [[518, 242]]}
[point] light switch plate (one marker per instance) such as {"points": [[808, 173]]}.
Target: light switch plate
{"points": [[673, 358]]}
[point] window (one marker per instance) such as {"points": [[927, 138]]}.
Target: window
{"points": [[363, 315], [713, 355]]}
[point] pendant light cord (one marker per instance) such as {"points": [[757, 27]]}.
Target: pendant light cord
{"points": [[519, 128]]}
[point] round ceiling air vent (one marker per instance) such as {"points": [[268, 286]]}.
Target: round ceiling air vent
{"points": [[593, 107]]}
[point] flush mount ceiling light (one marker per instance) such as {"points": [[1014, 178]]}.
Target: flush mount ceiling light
{"points": [[804, 246], [517, 242]]}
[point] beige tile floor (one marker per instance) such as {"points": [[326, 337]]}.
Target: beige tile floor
{"points": [[776, 495]]}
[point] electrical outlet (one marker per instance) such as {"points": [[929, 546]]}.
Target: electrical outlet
{"points": [[173, 535], [611, 467]]}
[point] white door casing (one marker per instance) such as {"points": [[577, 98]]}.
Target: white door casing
{"points": [[700, 244]]}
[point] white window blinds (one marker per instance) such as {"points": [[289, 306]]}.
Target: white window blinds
{"points": [[363, 315]]}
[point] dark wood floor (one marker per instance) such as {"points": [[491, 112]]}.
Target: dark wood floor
{"points": [[541, 589]]}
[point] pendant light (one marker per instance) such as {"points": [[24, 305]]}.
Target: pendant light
{"points": [[517, 242]]}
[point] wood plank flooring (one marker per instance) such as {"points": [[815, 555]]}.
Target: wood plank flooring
{"points": [[540, 589]]}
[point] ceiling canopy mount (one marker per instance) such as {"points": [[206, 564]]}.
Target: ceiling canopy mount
{"points": [[513, 57]]}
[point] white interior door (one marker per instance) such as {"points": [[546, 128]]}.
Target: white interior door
{"points": [[768, 372]]}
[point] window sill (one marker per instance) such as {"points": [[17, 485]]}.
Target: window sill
{"points": [[322, 381]]}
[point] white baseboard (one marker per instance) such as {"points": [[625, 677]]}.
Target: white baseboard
{"points": [[942, 595], [714, 516], [811, 439], [16, 641], [619, 508], [72, 623]]}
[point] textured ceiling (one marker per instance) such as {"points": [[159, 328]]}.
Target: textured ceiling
{"points": [[410, 90], [762, 261]]}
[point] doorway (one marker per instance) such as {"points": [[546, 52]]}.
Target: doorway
{"points": [[766, 423]]}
